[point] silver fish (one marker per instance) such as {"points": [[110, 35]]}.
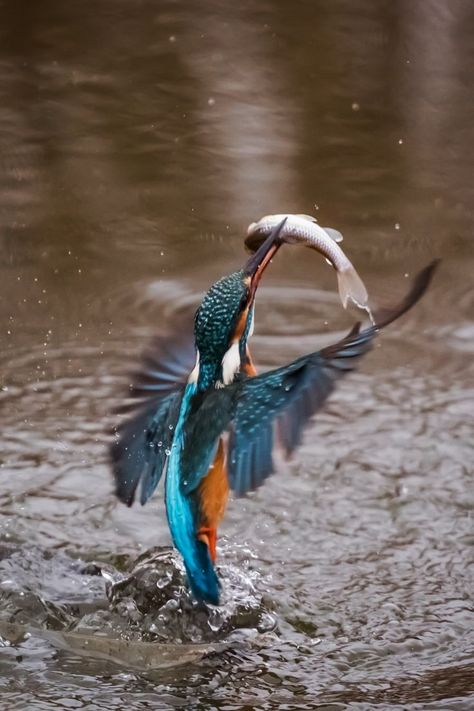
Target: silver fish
{"points": [[304, 230]]}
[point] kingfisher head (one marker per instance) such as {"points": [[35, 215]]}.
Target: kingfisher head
{"points": [[224, 320]]}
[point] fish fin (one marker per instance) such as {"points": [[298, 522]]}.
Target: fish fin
{"points": [[310, 218], [335, 235], [351, 288]]}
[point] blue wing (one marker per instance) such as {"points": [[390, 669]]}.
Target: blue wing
{"points": [[286, 397], [290, 395], [250, 407], [138, 452]]}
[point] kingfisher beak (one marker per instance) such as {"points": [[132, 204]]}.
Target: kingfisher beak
{"points": [[257, 263], [253, 271]]}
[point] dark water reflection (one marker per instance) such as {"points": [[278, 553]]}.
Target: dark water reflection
{"points": [[137, 141]]}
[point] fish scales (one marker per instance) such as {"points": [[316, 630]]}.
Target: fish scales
{"points": [[304, 230]]}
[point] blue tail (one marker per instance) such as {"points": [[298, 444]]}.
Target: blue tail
{"points": [[183, 519], [182, 511], [201, 574]]}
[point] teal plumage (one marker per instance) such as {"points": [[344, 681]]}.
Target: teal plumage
{"points": [[214, 323]]}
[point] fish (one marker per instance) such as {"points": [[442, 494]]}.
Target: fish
{"points": [[304, 230]]}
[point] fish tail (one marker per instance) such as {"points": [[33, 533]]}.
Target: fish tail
{"points": [[351, 288]]}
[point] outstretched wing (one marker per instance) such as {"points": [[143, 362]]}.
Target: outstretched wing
{"points": [[166, 363], [290, 395], [139, 450]]}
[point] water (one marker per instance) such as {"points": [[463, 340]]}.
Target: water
{"points": [[137, 142]]}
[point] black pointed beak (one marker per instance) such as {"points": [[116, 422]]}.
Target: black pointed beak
{"points": [[257, 263]]}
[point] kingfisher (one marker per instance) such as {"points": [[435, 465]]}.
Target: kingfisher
{"points": [[207, 419]]}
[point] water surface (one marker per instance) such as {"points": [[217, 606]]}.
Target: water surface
{"points": [[137, 141]]}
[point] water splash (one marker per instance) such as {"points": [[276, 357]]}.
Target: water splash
{"points": [[108, 609]]}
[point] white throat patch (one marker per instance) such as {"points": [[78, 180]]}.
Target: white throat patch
{"points": [[231, 363]]}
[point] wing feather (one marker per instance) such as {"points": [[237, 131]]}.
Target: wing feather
{"points": [[139, 450], [289, 396]]}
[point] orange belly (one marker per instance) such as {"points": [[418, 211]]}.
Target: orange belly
{"points": [[213, 495]]}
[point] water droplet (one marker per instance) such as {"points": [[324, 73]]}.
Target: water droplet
{"points": [[167, 452], [397, 225], [216, 620], [355, 106], [211, 101], [165, 579], [171, 427]]}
